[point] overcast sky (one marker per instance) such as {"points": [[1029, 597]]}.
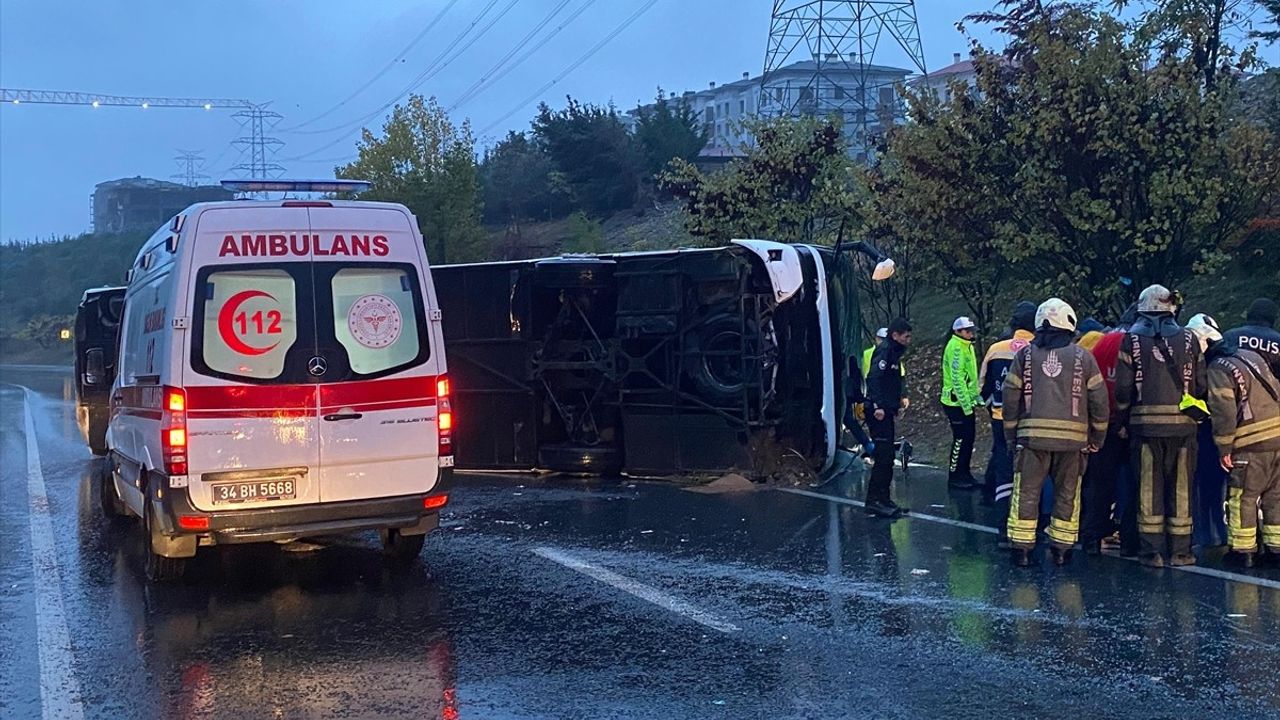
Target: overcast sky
{"points": [[304, 57]]}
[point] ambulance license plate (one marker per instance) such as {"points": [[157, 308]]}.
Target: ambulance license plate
{"points": [[259, 491]]}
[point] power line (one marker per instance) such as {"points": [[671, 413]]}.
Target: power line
{"points": [[427, 74], [475, 87], [385, 69], [572, 66], [433, 67]]}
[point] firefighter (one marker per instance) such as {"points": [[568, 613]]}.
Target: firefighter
{"points": [[1055, 410], [1107, 480], [995, 368], [960, 399], [1160, 379], [1244, 404], [1258, 333], [885, 400]]}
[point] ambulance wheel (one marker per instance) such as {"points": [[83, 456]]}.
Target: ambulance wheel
{"points": [[108, 499], [400, 548], [159, 569]]}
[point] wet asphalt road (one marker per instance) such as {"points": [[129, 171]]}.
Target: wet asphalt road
{"points": [[560, 598]]}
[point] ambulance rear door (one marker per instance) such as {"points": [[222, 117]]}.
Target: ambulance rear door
{"points": [[250, 381], [378, 397]]}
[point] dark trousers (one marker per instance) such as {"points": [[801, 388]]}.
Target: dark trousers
{"points": [[999, 475], [1164, 466], [1208, 494], [1098, 494], [964, 429], [883, 433], [1032, 467]]}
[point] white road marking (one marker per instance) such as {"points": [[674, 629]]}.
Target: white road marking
{"points": [[1194, 569], [911, 514], [639, 589], [59, 690]]}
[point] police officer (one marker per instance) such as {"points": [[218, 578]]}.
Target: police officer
{"points": [[1258, 333], [1160, 379], [1244, 404], [885, 399], [960, 400], [1055, 409], [881, 334]]}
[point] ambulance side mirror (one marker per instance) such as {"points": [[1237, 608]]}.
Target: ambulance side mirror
{"points": [[95, 367]]}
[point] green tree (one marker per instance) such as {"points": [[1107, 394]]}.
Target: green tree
{"points": [[666, 130], [1111, 172], [797, 183], [44, 329], [591, 148], [585, 235], [944, 187], [1271, 9], [520, 182], [425, 161]]}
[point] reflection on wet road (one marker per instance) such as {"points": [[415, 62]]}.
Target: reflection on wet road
{"points": [[549, 597]]}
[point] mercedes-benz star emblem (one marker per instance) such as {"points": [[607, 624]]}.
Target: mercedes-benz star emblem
{"points": [[316, 366]]}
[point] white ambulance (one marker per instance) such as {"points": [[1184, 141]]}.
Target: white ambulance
{"points": [[281, 374]]}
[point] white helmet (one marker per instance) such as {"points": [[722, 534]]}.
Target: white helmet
{"points": [[1205, 329], [1157, 299], [1055, 312]]}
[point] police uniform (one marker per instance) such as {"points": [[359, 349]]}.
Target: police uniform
{"points": [[1244, 402], [1159, 364], [884, 392], [1055, 408], [1257, 338]]}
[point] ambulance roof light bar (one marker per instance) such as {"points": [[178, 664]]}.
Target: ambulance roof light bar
{"points": [[317, 186]]}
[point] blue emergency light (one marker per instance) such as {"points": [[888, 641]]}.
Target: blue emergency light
{"points": [[317, 186]]}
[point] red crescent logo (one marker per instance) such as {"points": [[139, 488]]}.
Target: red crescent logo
{"points": [[227, 330]]}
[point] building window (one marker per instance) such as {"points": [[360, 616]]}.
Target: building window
{"points": [[839, 93], [742, 107], [886, 96], [711, 113]]}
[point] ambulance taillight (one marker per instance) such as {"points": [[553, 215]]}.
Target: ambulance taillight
{"points": [[173, 431], [444, 421]]}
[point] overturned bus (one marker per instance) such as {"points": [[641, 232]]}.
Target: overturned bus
{"points": [[659, 364], [96, 337]]}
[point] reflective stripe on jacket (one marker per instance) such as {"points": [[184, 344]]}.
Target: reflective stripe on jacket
{"points": [[995, 368], [960, 375], [1245, 416], [1149, 393], [1055, 399]]}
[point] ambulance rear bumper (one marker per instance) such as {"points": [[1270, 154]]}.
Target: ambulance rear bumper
{"points": [[406, 513]]}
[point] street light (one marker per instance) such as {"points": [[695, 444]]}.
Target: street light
{"points": [[64, 334]]}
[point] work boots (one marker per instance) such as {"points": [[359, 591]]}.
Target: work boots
{"points": [[1061, 556], [1020, 557], [1244, 560]]}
